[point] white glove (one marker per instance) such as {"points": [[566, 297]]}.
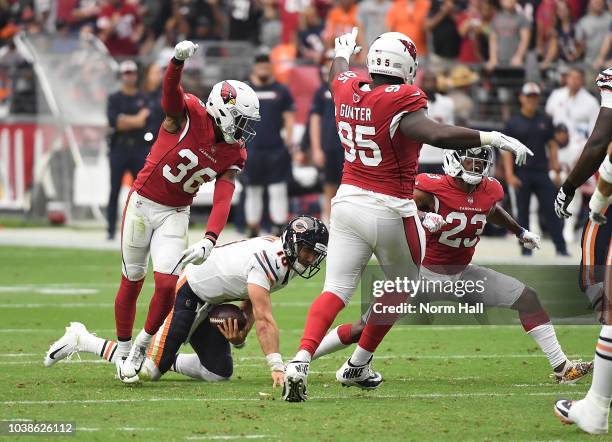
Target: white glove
{"points": [[433, 222], [509, 144], [197, 253], [563, 200], [184, 50], [346, 45], [529, 240]]}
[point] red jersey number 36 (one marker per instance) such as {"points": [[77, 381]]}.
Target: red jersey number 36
{"points": [[197, 177]]}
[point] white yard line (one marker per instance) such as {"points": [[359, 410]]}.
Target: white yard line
{"points": [[229, 437], [322, 398], [339, 357]]}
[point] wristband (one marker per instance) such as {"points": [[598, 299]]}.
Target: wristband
{"points": [[177, 61], [486, 138], [241, 345], [212, 236], [521, 233], [275, 362]]}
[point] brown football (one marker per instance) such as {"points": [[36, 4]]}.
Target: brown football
{"points": [[221, 312]]}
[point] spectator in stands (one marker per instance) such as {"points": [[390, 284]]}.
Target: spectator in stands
{"points": [[535, 130], [408, 17], [565, 45], [269, 164], [340, 20], [573, 106], [326, 150], [474, 27], [120, 27], [604, 58], [442, 109], [206, 19], [244, 18], [371, 15], [593, 29], [310, 42], [459, 84], [127, 114], [270, 32], [84, 15], [446, 41], [509, 38]]}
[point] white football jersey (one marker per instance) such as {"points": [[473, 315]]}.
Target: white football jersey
{"points": [[230, 267]]}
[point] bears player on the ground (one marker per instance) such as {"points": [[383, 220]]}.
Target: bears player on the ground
{"points": [[197, 142], [591, 413], [247, 270], [458, 205], [382, 124]]}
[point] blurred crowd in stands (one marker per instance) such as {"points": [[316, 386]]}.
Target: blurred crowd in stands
{"points": [[475, 57]]}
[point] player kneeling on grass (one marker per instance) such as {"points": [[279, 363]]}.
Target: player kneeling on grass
{"points": [[458, 205], [247, 270]]}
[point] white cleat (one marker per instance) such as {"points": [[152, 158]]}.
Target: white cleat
{"points": [[587, 417], [361, 376], [129, 368], [67, 345], [296, 377]]}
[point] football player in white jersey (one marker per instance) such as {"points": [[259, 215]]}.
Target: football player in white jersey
{"points": [[247, 270], [591, 413]]}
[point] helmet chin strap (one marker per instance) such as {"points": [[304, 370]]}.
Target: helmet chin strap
{"points": [[470, 178]]}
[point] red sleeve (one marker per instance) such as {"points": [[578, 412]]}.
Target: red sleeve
{"points": [[345, 80], [427, 182], [495, 190], [410, 99], [173, 102], [239, 164], [222, 203]]}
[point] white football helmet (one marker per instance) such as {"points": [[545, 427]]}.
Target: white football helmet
{"points": [[234, 106], [471, 165], [394, 54]]}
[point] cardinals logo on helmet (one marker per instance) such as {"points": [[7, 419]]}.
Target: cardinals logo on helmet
{"points": [[228, 93], [410, 47]]}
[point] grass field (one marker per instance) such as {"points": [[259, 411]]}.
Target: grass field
{"points": [[460, 383]]}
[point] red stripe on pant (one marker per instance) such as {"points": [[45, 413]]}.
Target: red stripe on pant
{"points": [[379, 324]]}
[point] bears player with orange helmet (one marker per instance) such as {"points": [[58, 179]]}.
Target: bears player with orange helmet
{"points": [[457, 207], [382, 124], [197, 142]]}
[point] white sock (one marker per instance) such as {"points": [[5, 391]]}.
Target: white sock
{"points": [[302, 356], [600, 393], [123, 348], [546, 338], [360, 356], [143, 339], [190, 365], [330, 343], [99, 346]]}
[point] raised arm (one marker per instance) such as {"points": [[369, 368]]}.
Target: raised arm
{"points": [[173, 102], [346, 46], [417, 125]]}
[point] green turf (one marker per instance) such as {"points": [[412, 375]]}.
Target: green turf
{"points": [[493, 386]]}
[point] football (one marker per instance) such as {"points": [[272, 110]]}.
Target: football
{"points": [[221, 312]]}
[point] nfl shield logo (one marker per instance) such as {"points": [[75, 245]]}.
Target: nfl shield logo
{"points": [[356, 98], [470, 200]]}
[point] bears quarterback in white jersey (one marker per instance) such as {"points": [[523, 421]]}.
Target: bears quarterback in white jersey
{"points": [[249, 271]]}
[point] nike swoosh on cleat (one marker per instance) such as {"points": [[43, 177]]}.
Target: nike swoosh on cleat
{"points": [[51, 355]]}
